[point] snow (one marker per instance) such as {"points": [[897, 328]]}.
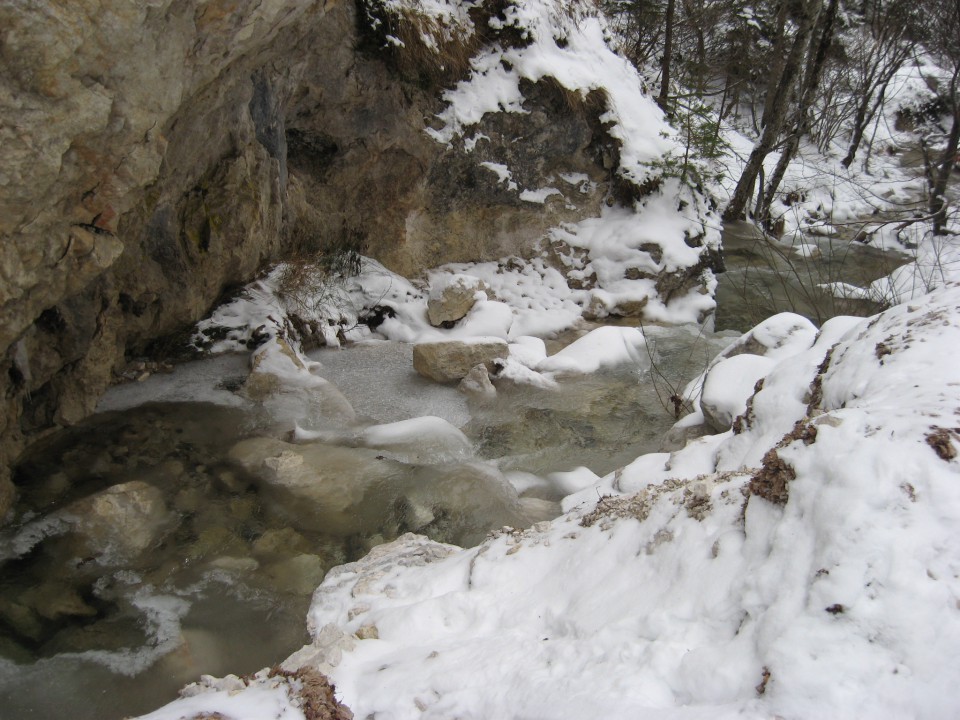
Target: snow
{"points": [[502, 172], [620, 242], [425, 440], [539, 196], [600, 348], [234, 699], [583, 63]]}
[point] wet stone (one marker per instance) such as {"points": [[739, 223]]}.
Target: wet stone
{"points": [[215, 541], [282, 541], [300, 574]]}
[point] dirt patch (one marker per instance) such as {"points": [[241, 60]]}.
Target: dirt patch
{"points": [[941, 440], [745, 422], [816, 386], [627, 506], [771, 480], [764, 679], [693, 495]]}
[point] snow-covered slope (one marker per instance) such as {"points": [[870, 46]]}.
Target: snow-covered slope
{"points": [[804, 567]]}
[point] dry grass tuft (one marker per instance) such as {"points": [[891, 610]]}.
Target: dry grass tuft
{"points": [[941, 440], [314, 693]]}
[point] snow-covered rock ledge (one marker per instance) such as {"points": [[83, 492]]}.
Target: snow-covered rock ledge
{"points": [[804, 566]]}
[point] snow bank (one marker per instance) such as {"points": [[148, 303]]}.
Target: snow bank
{"points": [[254, 699], [600, 348]]}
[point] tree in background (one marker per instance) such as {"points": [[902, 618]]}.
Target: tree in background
{"points": [[801, 119], [876, 49], [943, 40], [819, 69], [792, 45]]}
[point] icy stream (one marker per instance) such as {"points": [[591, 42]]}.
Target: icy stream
{"points": [[211, 570]]}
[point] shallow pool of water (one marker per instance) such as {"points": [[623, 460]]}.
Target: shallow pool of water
{"points": [[764, 277]]}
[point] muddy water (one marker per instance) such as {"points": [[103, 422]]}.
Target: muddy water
{"points": [[143, 553]]}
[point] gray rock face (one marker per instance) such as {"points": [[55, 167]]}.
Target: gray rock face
{"points": [[454, 359]]}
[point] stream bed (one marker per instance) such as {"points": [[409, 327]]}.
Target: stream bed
{"points": [[147, 550]]}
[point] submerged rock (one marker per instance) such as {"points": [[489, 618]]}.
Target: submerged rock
{"points": [[454, 359], [279, 542], [121, 521], [321, 487], [424, 440], [464, 500], [299, 574], [356, 491]]}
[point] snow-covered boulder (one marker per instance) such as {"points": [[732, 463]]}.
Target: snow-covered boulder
{"points": [[603, 347], [727, 387], [720, 394], [452, 299], [777, 337], [454, 359]]}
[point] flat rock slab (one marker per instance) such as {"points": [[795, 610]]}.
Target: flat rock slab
{"points": [[453, 359]]}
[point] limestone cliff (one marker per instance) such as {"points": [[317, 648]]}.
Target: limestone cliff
{"points": [[154, 155]]}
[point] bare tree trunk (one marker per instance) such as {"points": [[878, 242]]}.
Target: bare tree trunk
{"points": [[941, 176], [817, 58], [775, 116], [667, 52], [776, 70]]}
